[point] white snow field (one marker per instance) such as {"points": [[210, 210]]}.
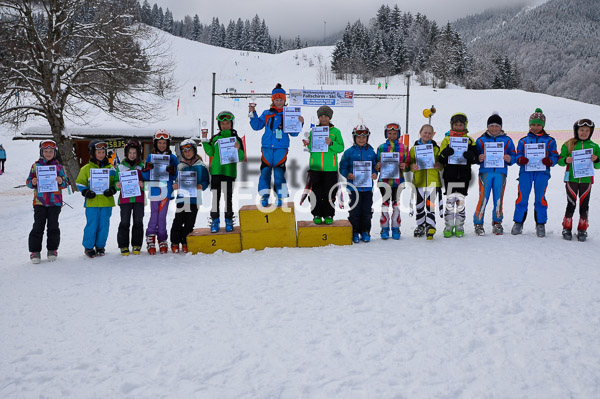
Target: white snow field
{"points": [[477, 317]]}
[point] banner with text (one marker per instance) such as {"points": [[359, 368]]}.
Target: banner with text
{"points": [[316, 98]]}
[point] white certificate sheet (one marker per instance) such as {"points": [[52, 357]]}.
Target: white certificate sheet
{"points": [[582, 163], [319, 134], [130, 184], [390, 165], [459, 145], [494, 155], [227, 151], [291, 120], [99, 180], [159, 171], [188, 183], [535, 152], [362, 173], [425, 156], [46, 175]]}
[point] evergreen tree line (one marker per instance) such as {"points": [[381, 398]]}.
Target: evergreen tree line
{"points": [[238, 35]]}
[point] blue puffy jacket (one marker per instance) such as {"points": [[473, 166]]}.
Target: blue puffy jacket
{"points": [[509, 149], [531, 138], [201, 177], [271, 121], [356, 153], [155, 189]]}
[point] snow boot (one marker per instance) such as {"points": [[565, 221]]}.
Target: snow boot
{"points": [[479, 230], [151, 242], [355, 238], [396, 233], [582, 230], [430, 232], [90, 252], [567, 225], [419, 231], [540, 230], [365, 236], [328, 220], [497, 228], [163, 247], [100, 251], [264, 201], [184, 248], [517, 229], [385, 233], [317, 220], [228, 225], [125, 251], [52, 255], [279, 201], [215, 225], [35, 257], [137, 250], [175, 248]]}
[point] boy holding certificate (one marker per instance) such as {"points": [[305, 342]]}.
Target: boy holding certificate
{"points": [[131, 199], [425, 165], [358, 167], [536, 154], [457, 154], [581, 156], [226, 150], [192, 176], [496, 152], [97, 183], [392, 161], [47, 178]]}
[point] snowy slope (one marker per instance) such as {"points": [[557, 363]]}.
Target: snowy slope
{"points": [[485, 317]]}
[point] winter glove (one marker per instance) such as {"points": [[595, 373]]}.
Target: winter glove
{"points": [[87, 193], [522, 161], [446, 152], [469, 156], [171, 169], [547, 161], [109, 192], [149, 165]]}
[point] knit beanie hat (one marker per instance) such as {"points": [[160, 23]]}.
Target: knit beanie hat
{"points": [[325, 110], [278, 92], [495, 119], [538, 117]]}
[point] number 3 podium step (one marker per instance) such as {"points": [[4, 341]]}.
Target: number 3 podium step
{"points": [[314, 235]]}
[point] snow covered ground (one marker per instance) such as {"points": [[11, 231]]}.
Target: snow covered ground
{"points": [[478, 317]]}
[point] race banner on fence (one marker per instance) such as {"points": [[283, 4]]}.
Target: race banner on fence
{"points": [[316, 98]]}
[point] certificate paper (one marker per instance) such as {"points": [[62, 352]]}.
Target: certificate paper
{"points": [[460, 145], [130, 184], [362, 174], [535, 152], [159, 171], [494, 155], [319, 134], [291, 121], [227, 151], [188, 183], [424, 155], [99, 180], [582, 163], [390, 165], [46, 175]]}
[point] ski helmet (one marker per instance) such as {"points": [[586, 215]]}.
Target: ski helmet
{"points": [[361, 130], [459, 117], [97, 145], [47, 144], [188, 144], [580, 123], [391, 126], [162, 134], [132, 143], [225, 116]]}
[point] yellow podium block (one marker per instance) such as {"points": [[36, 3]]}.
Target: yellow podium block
{"points": [[275, 229], [320, 235], [202, 240]]}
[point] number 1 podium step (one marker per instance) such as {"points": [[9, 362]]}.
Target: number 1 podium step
{"points": [[315, 235], [273, 227], [202, 240]]}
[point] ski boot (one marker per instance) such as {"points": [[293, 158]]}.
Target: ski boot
{"points": [[125, 251], [479, 230], [328, 220], [35, 257], [430, 232], [567, 226], [317, 220], [90, 252], [419, 231], [184, 248], [163, 247], [355, 238], [540, 230], [396, 233], [214, 225], [279, 201], [52, 255], [264, 201], [151, 242], [100, 251], [175, 248], [365, 236], [497, 228], [517, 229], [385, 233], [459, 232], [228, 225], [582, 230], [448, 231], [137, 250]]}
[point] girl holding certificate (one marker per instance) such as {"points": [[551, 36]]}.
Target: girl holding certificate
{"points": [[47, 178], [581, 156], [97, 183]]}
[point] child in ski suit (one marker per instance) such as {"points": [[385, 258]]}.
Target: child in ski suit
{"points": [[187, 206], [131, 206], [98, 206], [582, 187], [457, 175], [538, 179], [361, 198], [223, 175], [427, 183], [323, 169], [492, 179], [46, 206], [161, 193], [274, 146], [2, 157], [390, 188]]}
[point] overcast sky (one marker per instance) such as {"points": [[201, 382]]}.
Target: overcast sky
{"points": [[309, 18]]}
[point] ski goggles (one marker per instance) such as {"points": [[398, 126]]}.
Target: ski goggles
{"points": [[101, 146], [363, 133], [48, 144], [225, 117], [162, 135], [585, 122], [187, 147], [458, 118], [133, 143], [392, 126]]}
